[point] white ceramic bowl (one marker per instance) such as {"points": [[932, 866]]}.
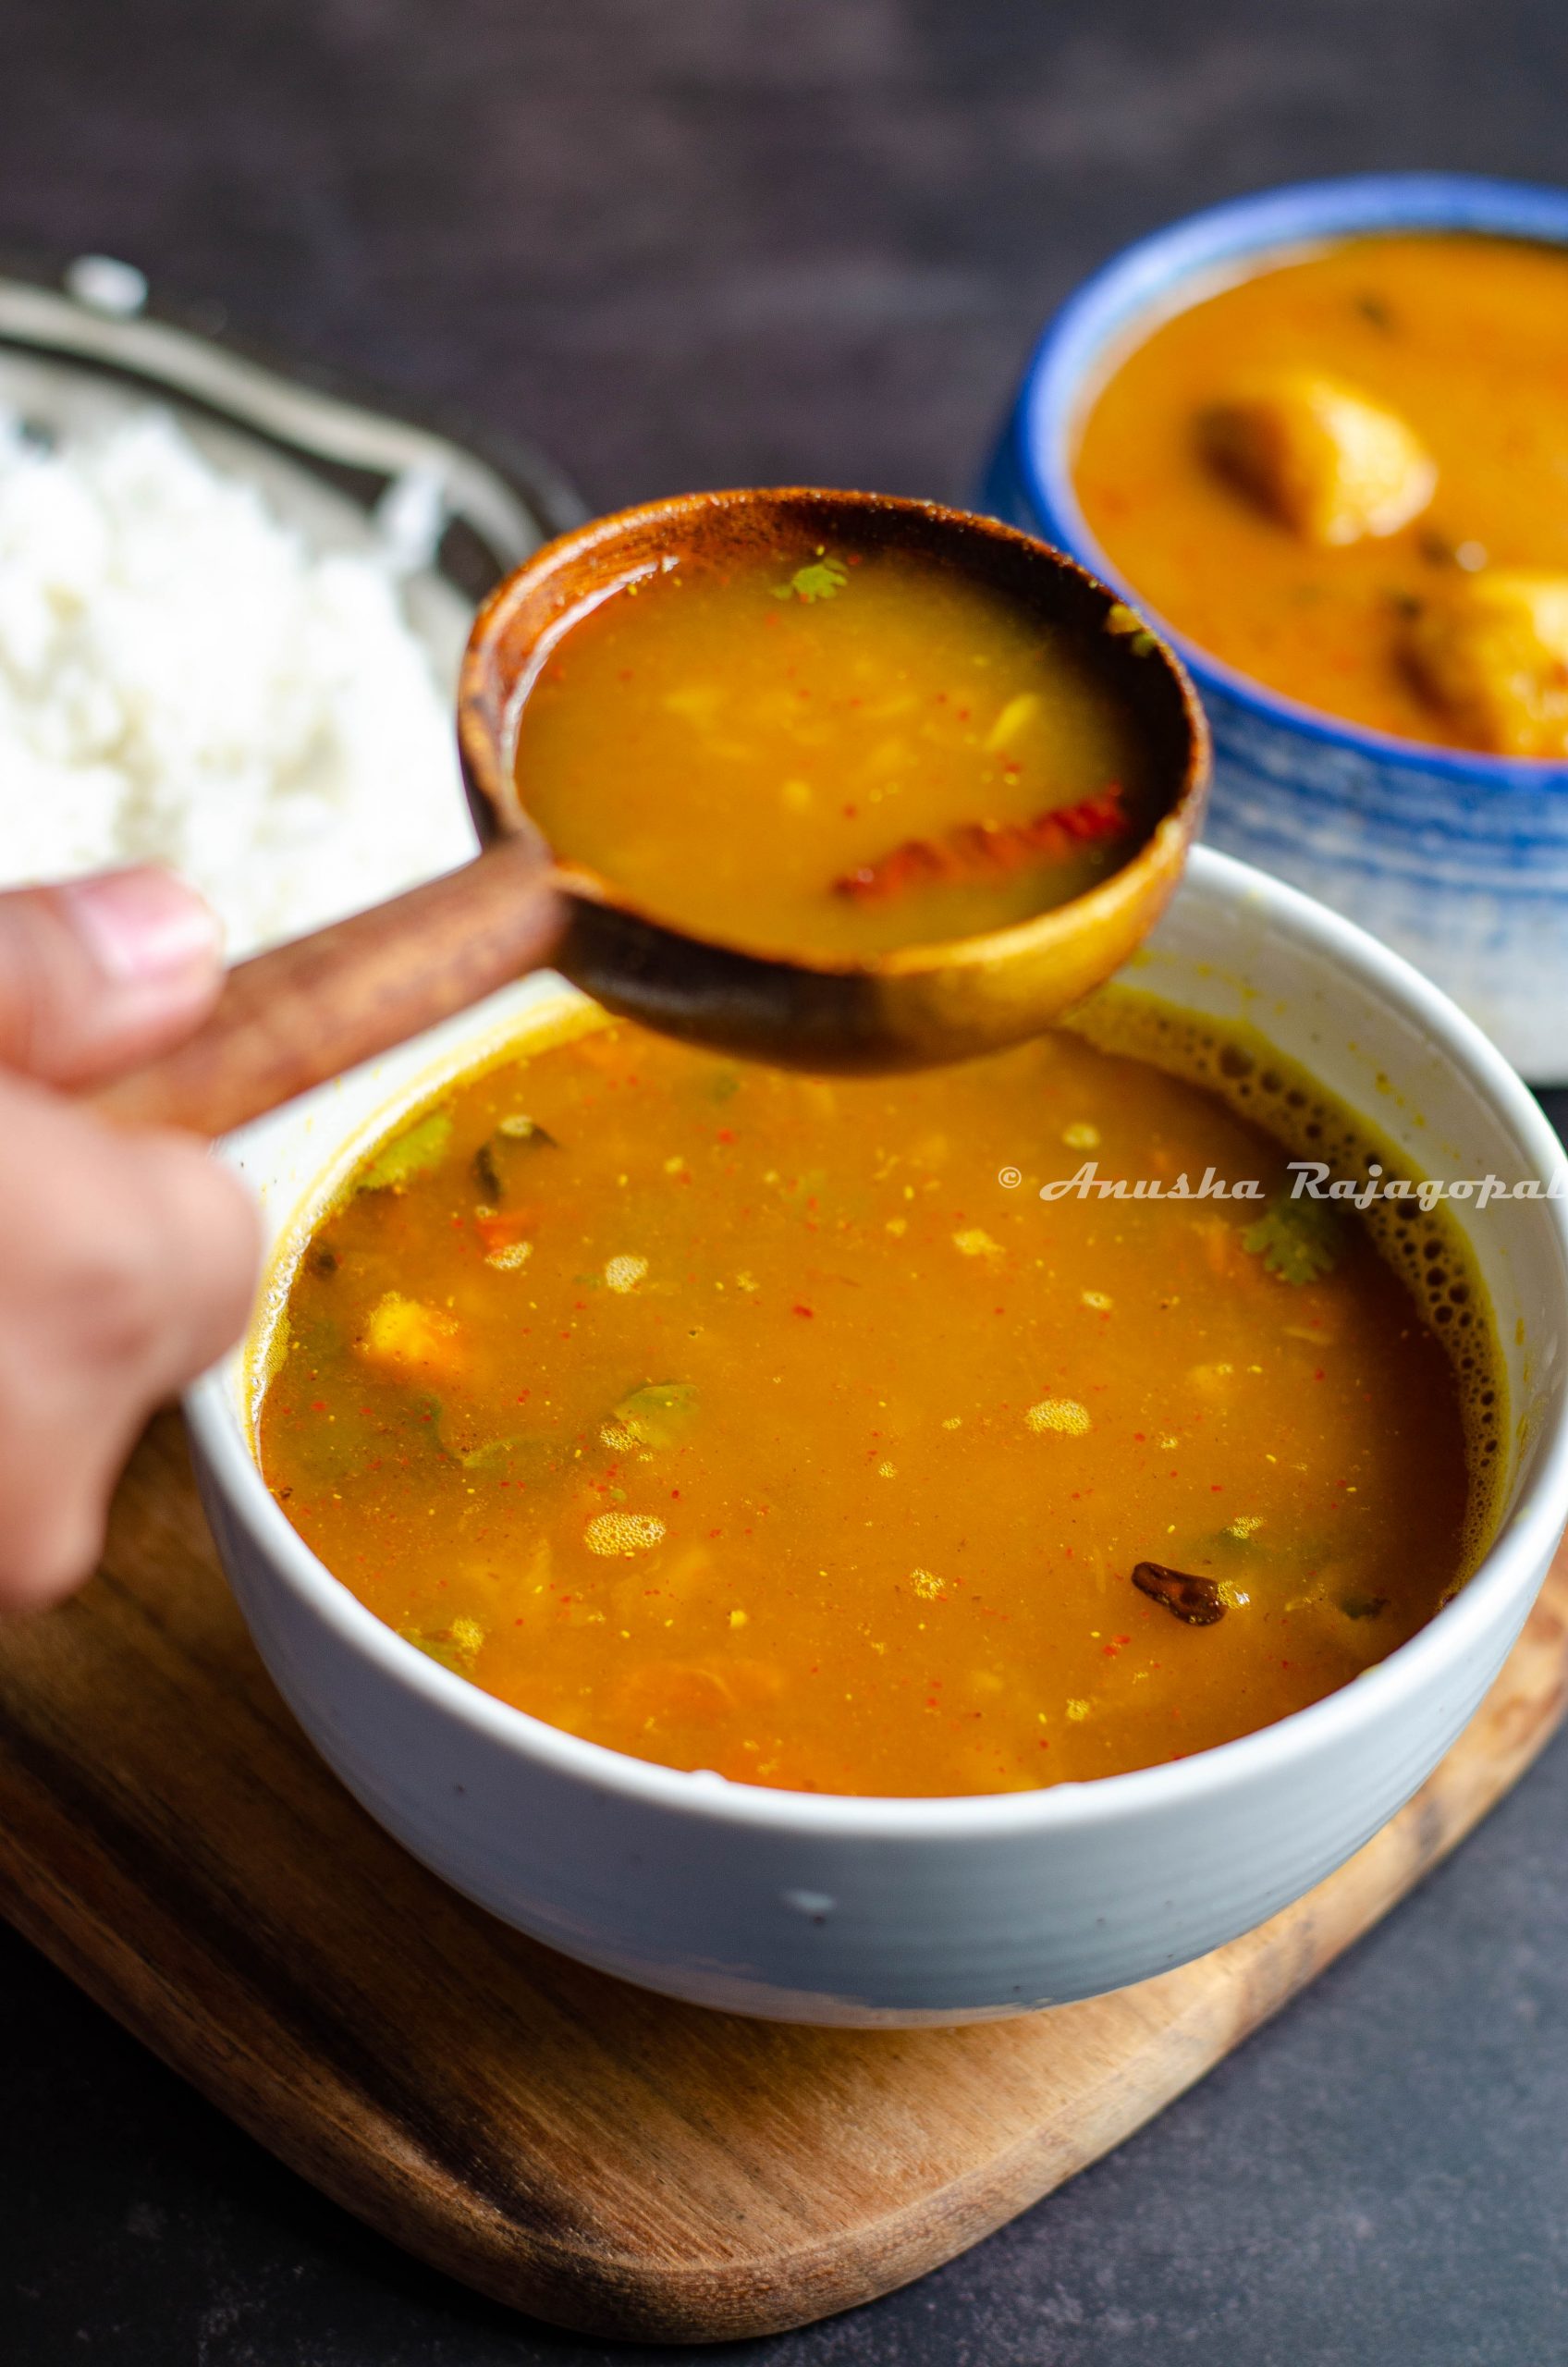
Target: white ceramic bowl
{"points": [[815, 1908]]}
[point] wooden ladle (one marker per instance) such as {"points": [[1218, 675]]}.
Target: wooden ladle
{"points": [[292, 1017]]}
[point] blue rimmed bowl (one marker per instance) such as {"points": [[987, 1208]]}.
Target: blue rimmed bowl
{"points": [[1458, 861]]}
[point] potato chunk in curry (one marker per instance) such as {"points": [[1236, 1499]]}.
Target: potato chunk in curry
{"points": [[1493, 655], [1325, 460], [407, 1336]]}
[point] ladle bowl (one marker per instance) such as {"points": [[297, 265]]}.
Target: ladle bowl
{"points": [[293, 1016]]}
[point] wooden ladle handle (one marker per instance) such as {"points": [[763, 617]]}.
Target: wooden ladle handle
{"points": [[292, 1017]]}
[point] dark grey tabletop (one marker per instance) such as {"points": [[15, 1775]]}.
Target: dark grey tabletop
{"points": [[692, 242]]}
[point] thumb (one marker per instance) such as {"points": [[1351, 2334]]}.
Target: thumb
{"points": [[98, 973]]}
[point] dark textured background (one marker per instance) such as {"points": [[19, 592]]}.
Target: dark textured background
{"points": [[702, 241]]}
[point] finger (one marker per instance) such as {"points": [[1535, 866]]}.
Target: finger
{"points": [[54, 1537], [204, 1235], [128, 1264], [98, 973]]}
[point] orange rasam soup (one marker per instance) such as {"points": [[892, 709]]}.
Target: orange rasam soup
{"points": [[743, 1421], [833, 752], [1346, 475]]}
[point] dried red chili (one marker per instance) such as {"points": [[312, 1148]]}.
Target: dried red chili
{"points": [[978, 848]]}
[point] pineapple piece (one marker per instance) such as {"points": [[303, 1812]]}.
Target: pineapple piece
{"points": [[1323, 458], [407, 1336], [1493, 655]]}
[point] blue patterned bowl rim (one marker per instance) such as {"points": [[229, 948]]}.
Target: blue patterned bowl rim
{"points": [[1142, 273]]}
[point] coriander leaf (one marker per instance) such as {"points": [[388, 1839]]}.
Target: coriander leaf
{"points": [[456, 1647], [818, 580], [1297, 1240], [1126, 622]]}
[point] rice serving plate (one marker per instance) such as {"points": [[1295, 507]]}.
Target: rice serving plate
{"points": [[78, 358]]}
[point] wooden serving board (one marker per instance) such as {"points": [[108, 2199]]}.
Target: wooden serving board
{"points": [[596, 2155]]}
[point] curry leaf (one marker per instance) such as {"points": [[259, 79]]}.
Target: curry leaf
{"points": [[1364, 1606], [660, 1414], [486, 1174], [496, 1455], [408, 1155], [492, 1162], [513, 1458]]}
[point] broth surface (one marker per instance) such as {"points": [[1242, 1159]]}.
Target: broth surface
{"points": [[1465, 340], [743, 1421], [829, 753]]}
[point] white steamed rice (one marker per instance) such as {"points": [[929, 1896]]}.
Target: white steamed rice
{"points": [[182, 680]]}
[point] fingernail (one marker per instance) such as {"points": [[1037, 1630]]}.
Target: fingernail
{"points": [[142, 927]]}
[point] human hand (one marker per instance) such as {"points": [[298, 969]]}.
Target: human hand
{"points": [[127, 1258]]}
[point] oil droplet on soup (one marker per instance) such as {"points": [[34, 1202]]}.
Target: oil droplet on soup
{"points": [[801, 1449], [831, 753]]}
